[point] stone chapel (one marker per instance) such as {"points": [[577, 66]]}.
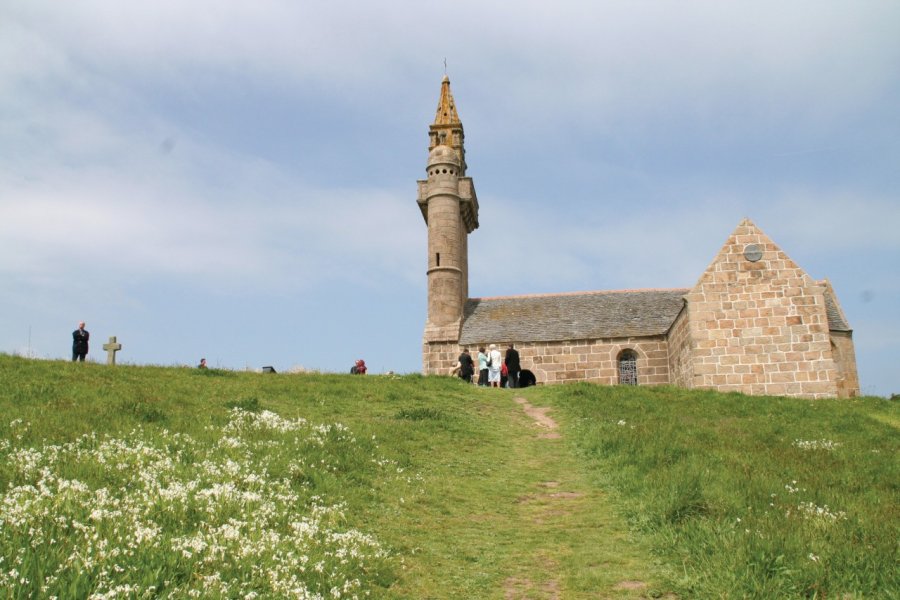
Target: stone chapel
{"points": [[754, 322]]}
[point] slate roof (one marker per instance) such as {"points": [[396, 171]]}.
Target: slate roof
{"points": [[574, 316], [836, 320], [586, 315]]}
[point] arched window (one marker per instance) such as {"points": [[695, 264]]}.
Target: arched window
{"points": [[628, 367]]}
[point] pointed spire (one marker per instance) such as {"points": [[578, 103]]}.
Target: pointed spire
{"points": [[447, 129], [446, 110]]}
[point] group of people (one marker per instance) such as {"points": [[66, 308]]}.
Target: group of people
{"points": [[494, 369]]}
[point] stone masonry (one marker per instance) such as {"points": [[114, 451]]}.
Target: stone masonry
{"points": [[755, 322], [450, 208], [596, 360], [759, 326], [680, 359]]}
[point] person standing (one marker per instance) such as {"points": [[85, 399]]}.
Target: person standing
{"points": [[494, 362], [466, 366], [512, 366], [80, 339], [482, 368]]}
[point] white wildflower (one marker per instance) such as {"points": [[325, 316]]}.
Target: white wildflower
{"points": [[823, 513], [816, 444]]}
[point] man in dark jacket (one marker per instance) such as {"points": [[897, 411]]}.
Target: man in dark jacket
{"points": [[512, 366], [466, 366], [80, 343]]}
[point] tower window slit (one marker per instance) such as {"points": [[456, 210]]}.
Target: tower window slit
{"points": [[438, 259]]}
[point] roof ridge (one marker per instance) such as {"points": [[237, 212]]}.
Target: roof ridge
{"points": [[583, 293]]}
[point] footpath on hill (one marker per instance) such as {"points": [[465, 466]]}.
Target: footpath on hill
{"points": [[566, 508], [520, 519]]}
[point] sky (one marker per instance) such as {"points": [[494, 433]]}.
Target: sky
{"points": [[237, 180]]}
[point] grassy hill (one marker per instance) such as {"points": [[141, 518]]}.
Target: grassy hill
{"points": [[151, 482]]}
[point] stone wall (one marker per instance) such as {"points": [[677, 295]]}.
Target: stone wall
{"points": [[438, 358], [760, 327], [844, 356], [595, 360], [463, 291], [445, 275], [681, 370], [568, 361]]}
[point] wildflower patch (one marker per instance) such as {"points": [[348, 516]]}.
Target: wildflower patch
{"points": [[159, 514], [816, 444]]}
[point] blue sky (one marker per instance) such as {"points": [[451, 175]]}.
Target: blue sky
{"points": [[237, 180]]}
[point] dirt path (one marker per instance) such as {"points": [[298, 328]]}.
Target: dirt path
{"points": [[541, 419], [553, 504], [516, 588]]}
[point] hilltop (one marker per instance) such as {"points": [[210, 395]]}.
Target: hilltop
{"points": [[167, 482]]}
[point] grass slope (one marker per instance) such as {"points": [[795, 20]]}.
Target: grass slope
{"points": [[165, 482], [751, 497]]}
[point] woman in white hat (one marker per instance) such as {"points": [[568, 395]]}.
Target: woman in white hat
{"points": [[494, 363]]}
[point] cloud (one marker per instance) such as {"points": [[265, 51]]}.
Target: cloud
{"points": [[577, 50], [292, 234], [558, 247], [271, 149], [835, 220]]}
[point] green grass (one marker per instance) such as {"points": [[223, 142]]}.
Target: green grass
{"points": [[750, 497], [164, 482]]}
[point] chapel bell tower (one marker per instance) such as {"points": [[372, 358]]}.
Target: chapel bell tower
{"points": [[450, 208]]}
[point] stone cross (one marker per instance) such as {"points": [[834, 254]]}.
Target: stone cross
{"points": [[111, 348]]}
